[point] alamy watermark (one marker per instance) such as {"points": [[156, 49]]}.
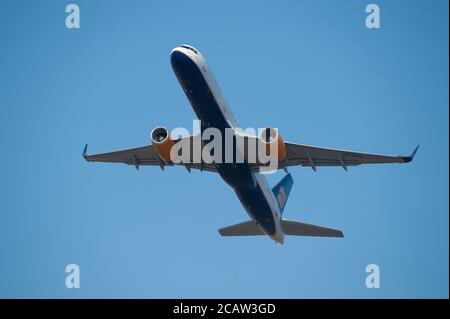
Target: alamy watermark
{"points": [[73, 17], [73, 278], [373, 19], [262, 147], [373, 279]]}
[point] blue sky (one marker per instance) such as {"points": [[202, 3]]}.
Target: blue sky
{"points": [[310, 68]]}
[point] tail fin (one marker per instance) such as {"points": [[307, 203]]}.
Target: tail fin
{"points": [[282, 190]]}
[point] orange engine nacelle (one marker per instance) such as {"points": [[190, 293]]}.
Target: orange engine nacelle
{"points": [[162, 143], [273, 141]]}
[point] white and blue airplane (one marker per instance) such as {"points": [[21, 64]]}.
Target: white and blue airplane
{"points": [[263, 204]]}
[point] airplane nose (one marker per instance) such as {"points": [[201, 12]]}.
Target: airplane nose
{"points": [[174, 56], [178, 58]]}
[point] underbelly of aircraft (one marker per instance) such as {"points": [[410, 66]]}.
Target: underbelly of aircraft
{"points": [[256, 205], [237, 175]]}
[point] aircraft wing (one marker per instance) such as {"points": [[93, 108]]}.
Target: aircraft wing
{"points": [[312, 156], [304, 155], [145, 155], [297, 154]]}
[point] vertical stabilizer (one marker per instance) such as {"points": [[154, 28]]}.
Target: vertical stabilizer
{"points": [[282, 190]]}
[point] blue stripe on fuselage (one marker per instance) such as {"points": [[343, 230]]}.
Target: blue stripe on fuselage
{"points": [[238, 176], [197, 91]]}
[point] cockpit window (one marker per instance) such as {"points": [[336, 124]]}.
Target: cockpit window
{"points": [[189, 48]]}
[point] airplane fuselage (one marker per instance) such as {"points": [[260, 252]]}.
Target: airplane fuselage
{"points": [[211, 108]]}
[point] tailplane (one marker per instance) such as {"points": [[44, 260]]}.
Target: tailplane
{"points": [[250, 228], [302, 229]]}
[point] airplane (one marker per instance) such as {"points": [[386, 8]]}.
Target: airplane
{"points": [[264, 205]]}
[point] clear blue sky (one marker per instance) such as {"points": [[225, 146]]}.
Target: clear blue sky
{"points": [[310, 68]]}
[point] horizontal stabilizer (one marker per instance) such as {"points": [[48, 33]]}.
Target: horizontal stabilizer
{"points": [[249, 228], [302, 229]]}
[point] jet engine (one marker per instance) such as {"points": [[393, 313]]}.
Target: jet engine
{"points": [[162, 143], [273, 142]]}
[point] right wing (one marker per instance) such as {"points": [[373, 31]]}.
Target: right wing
{"points": [[145, 155]]}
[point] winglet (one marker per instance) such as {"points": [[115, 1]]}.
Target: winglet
{"points": [[408, 159], [85, 152]]}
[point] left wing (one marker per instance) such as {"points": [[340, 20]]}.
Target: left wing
{"points": [[304, 155], [312, 156]]}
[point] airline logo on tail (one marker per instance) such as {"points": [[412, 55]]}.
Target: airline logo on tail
{"points": [[281, 197], [282, 190]]}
